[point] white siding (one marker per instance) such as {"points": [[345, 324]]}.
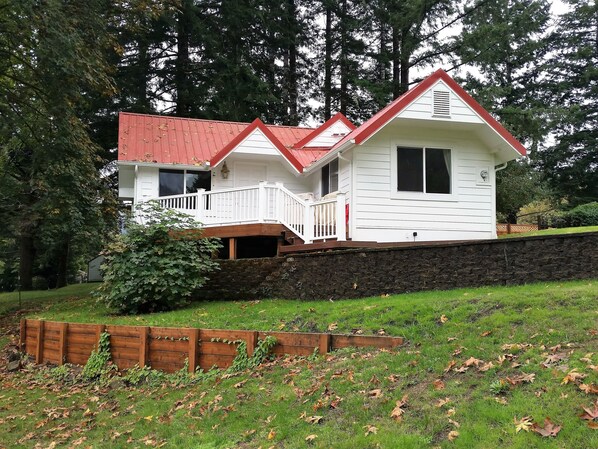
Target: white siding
{"points": [[329, 136], [256, 143], [344, 177], [275, 172], [126, 181], [422, 107], [382, 214]]}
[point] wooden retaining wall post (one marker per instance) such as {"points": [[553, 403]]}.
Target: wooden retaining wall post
{"points": [[23, 335], [324, 343], [143, 346], [39, 350], [193, 350], [252, 340], [100, 328], [62, 342]]}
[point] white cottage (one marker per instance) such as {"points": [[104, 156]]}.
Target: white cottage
{"points": [[421, 169]]}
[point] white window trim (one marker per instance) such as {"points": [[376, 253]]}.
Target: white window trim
{"points": [[422, 196]]}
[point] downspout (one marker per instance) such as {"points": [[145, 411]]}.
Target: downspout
{"points": [[348, 205], [500, 167], [135, 187]]}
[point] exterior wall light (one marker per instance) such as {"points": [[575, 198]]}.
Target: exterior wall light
{"points": [[224, 171]]}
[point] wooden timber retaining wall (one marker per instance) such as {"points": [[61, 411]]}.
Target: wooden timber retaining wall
{"points": [[167, 348]]}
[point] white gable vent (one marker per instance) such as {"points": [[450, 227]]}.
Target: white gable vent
{"points": [[442, 103]]}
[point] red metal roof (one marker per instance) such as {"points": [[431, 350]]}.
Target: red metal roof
{"points": [[184, 141]]}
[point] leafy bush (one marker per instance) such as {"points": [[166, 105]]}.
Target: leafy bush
{"points": [[260, 354], [583, 215], [156, 265]]}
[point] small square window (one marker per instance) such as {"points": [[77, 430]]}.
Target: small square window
{"points": [[426, 170]]}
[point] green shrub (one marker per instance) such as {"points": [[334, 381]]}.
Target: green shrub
{"points": [[583, 215], [98, 365], [157, 265]]}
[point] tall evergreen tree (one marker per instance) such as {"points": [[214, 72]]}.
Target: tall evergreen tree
{"points": [[571, 164], [506, 42], [48, 179]]}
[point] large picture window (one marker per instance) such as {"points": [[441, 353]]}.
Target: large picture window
{"points": [[330, 177], [176, 182], [426, 170]]}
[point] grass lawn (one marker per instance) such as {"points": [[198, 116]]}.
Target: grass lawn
{"points": [[462, 345], [552, 231]]}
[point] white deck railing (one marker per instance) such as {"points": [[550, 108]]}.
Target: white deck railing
{"points": [[264, 203]]}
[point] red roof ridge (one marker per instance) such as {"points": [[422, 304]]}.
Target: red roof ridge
{"points": [[256, 124], [173, 117], [390, 111], [339, 116]]}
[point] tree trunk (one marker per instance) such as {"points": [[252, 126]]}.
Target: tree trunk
{"points": [[396, 63], [344, 63], [292, 88], [182, 64], [26, 258], [328, 65]]}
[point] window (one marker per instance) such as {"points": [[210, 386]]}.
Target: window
{"points": [[426, 170], [176, 182], [330, 177]]}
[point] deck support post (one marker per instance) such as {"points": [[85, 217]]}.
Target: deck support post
{"points": [[232, 248], [341, 223]]}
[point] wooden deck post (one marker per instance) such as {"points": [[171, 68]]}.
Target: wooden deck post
{"points": [[62, 342], [23, 335], [39, 350], [324, 346], [193, 350], [143, 346], [252, 339]]}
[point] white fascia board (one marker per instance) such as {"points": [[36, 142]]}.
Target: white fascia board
{"points": [[329, 156]]}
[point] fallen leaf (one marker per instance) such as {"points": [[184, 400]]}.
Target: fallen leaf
{"points": [[450, 366], [271, 434], [316, 419], [332, 326], [452, 435], [572, 376], [524, 424], [521, 378], [589, 389], [550, 429], [398, 411], [311, 437], [590, 415], [370, 429], [443, 319], [454, 423], [376, 393], [438, 384], [485, 333], [442, 402]]}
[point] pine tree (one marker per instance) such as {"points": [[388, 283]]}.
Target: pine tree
{"points": [[571, 164]]}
